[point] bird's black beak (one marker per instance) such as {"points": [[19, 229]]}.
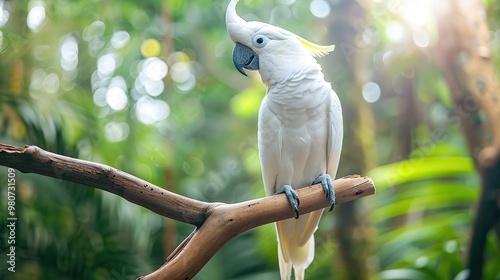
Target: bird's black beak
{"points": [[245, 57]]}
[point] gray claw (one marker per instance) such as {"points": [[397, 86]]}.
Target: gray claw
{"points": [[292, 196], [327, 183]]}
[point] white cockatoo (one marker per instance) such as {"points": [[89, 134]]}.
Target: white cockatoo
{"points": [[300, 126]]}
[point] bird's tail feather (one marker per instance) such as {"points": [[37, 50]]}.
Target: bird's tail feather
{"points": [[296, 244]]}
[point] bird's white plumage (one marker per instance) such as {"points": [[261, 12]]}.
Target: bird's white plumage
{"points": [[300, 138], [300, 126]]}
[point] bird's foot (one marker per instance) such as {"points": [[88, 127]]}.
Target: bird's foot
{"points": [[292, 196], [327, 183]]}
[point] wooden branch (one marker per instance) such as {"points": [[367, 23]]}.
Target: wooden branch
{"points": [[216, 223], [225, 221], [32, 159]]}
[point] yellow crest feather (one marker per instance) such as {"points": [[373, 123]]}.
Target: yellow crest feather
{"points": [[314, 49]]}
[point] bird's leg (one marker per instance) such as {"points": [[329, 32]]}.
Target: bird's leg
{"points": [[292, 196], [327, 183]]}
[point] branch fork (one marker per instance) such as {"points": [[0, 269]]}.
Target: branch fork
{"points": [[216, 223]]}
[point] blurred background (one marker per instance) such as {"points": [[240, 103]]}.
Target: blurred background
{"points": [[148, 87]]}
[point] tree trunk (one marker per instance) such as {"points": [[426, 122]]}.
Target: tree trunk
{"points": [[464, 57], [354, 232]]}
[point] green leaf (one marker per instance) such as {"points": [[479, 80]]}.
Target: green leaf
{"points": [[418, 169]]}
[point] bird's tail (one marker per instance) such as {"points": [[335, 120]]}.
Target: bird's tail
{"points": [[296, 244]]}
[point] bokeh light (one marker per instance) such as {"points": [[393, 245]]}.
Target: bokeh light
{"points": [[320, 8], [187, 85], [155, 69], [150, 48], [93, 35], [154, 88], [371, 92], [51, 83], [94, 30], [99, 97], [150, 78], [4, 13], [181, 72], [417, 12], [149, 110], [118, 81], [106, 65], [120, 39], [421, 38], [116, 98], [116, 132], [36, 16], [395, 31], [69, 53]]}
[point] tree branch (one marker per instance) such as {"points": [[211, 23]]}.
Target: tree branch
{"points": [[32, 159], [216, 223]]}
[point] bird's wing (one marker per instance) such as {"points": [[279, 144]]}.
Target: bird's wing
{"points": [[270, 144], [335, 135]]}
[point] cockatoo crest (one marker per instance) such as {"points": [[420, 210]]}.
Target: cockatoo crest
{"points": [[287, 51], [314, 49]]}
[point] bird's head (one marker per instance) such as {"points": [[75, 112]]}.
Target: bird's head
{"points": [[268, 48]]}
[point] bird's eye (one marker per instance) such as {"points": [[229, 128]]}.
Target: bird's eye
{"points": [[260, 41]]}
